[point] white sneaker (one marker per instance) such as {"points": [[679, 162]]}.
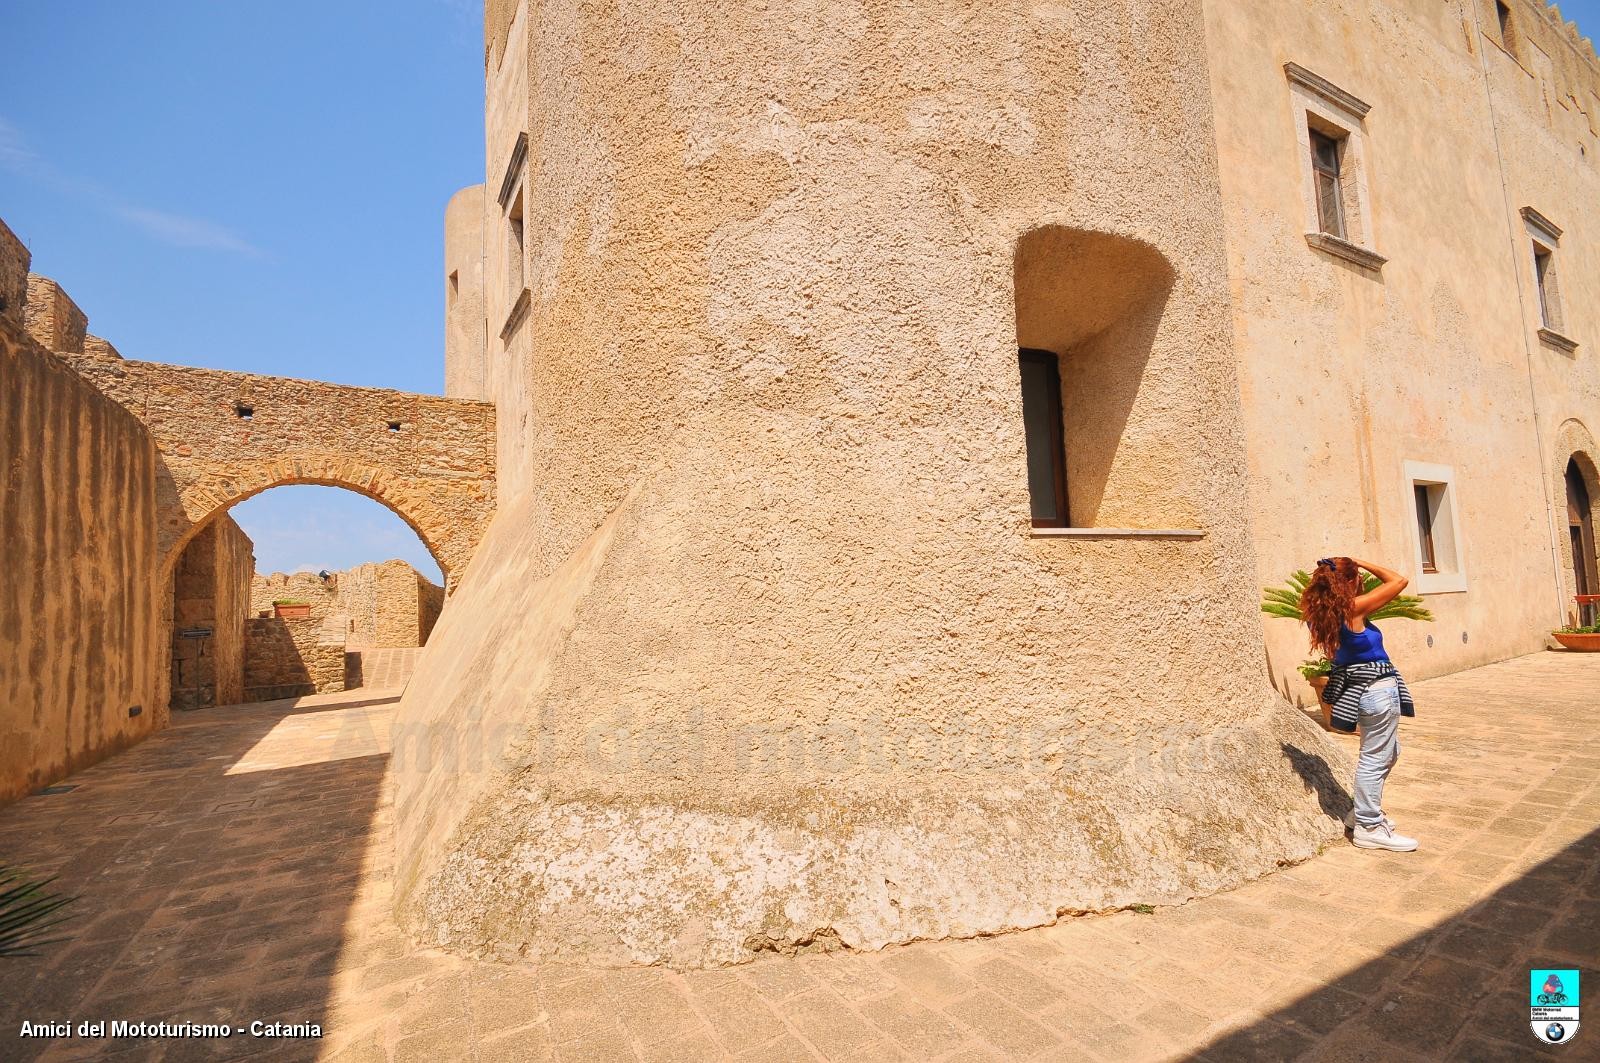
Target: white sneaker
{"points": [[1350, 821], [1382, 837]]}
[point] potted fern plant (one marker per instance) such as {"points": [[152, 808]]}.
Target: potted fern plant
{"points": [[1284, 601]]}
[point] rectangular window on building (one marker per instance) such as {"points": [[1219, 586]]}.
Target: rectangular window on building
{"points": [[1334, 168], [1041, 420], [1437, 558], [514, 249], [1544, 237], [1325, 153]]}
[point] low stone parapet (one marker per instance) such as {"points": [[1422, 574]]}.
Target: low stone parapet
{"points": [[290, 658]]}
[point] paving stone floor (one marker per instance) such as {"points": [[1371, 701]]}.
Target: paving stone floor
{"points": [[237, 867], [384, 667]]}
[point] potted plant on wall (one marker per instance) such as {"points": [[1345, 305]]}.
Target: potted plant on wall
{"points": [[291, 609], [1584, 639], [1284, 601]]}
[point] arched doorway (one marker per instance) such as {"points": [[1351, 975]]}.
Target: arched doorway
{"points": [[1580, 539]]}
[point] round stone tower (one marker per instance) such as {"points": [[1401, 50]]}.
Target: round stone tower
{"points": [[872, 558]]}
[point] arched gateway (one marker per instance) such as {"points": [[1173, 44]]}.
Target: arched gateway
{"points": [[221, 437]]}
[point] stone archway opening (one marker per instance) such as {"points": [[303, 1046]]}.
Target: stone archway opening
{"points": [[1582, 482], [344, 594]]}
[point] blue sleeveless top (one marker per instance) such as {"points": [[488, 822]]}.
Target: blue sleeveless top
{"points": [[1358, 646]]}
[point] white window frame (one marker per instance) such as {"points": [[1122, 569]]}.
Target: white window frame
{"points": [[1448, 545], [1320, 104]]}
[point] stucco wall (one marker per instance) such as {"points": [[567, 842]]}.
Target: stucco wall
{"points": [[761, 591], [80, 636], [1349, 373], [211, 591]]}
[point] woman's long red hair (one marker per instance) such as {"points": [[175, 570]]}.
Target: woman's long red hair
{"points": [[1325, 603]]}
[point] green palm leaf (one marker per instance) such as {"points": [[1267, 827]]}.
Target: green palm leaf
{"points": [[26, 912], [1284, 601]]}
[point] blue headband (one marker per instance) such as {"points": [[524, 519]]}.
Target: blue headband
{"points": [[1328, 561]]}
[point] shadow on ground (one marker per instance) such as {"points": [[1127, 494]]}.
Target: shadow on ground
{"points": [[1458, 990], [209, 895]]}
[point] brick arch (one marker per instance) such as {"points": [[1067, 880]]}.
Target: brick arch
{"points": [[1573, 443], [434, 520]]}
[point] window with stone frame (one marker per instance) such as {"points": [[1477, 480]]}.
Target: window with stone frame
{"points": [[1334, 168], [1437, 554], [1544, 238]]}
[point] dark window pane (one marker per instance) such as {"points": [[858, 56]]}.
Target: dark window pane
{"points": [[1425, 528], [1041, 419], [1541, 268], [1325, 152]]}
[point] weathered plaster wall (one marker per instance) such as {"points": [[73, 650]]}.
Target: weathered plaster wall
{"points": [[1347, 373], [464, 324], [80, 622], [436, 471], [211, 592], [759, 650]]}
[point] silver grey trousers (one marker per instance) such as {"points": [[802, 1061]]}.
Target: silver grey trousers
{"points": [[1380, 748]]}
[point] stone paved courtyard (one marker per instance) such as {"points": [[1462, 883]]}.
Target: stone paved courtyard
{"points": [[237, 867]]}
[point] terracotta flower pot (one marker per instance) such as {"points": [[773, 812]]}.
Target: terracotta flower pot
{"points": [[292, 612], [1318, 684], [1581, 643]]}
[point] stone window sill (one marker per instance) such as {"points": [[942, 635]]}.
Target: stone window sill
{"points": [[518, 311], [1117, 533], [1439, 583], [1558, 341], [1341, 248]]}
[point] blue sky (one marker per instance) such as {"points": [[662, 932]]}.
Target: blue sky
{"points": [[256, 187]]}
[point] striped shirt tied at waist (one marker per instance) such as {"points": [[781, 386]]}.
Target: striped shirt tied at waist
{"points": [[1346, 685]]}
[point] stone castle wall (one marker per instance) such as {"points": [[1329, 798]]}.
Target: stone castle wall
{"points": [[225, 436], [321, 595], [81, 637], [287, 658], [210, 589], [388, 603]]}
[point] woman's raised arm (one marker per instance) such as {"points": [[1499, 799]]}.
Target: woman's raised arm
{"points": [[1370, 602]]}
